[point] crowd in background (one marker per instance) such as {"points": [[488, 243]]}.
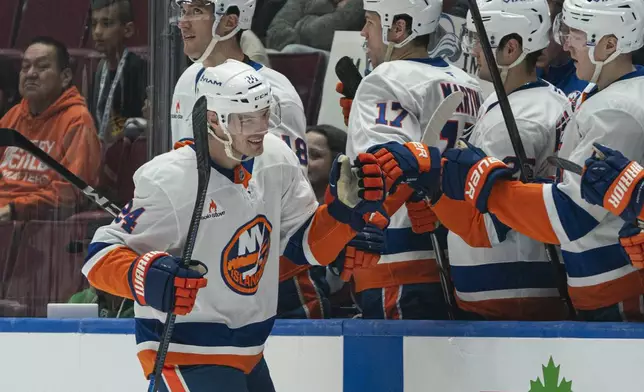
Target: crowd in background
{"points": [[93, 134]]}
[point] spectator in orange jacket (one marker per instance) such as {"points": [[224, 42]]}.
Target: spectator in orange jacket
{"points": [[54, 116]]}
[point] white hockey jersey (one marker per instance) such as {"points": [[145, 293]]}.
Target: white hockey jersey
{"points": [[292, 129], [395, 103], [599, 274], [510, 278], [252, 215]]}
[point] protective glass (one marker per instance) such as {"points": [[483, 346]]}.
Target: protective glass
{"points": [[251, 123], [564, 35], [190, 11], [469, 40]]}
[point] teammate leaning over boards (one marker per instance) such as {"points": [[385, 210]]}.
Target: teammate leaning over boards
{"points": [[210, 37], [616, 183], [502, 274], [603, 284], [394, 103], [259, 205]]}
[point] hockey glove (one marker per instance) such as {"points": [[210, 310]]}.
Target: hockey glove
{"points": [[158, 280], [632, 239], [423, 219], [414, 163], [469, 174], [614, 182], [355, 193], [345, 103], [366, 247]]}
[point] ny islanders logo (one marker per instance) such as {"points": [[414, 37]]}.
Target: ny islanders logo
{"points": [[244, 258]]}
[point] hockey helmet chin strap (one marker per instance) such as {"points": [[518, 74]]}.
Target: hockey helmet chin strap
{"points": [[228, 144], [600, 64], [503, 69], [215, 38]]}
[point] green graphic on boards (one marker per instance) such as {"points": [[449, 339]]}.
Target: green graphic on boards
{"points": [[550, 380]]}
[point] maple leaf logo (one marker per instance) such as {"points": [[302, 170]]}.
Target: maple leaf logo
{"points": [[550, 380]]}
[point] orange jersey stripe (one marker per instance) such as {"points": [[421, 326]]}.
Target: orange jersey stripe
{"points": [[288, 269], [245, 363], [109, 274], [464, 220], [390, 297], [396, 274], [327, 237], [508, 201], [310, 297], [171, 379], [608, 293], [516, 309]]}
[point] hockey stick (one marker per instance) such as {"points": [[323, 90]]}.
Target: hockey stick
{"points": [[349, 75], [526, 173], [572, 167], [430, 137], [12, 138], [200, 129]]}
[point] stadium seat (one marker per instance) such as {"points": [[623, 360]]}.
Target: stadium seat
{"points": [[122, 159], [8, 20], [64, 20], [306, 73], [140, 10], [48, 266]]}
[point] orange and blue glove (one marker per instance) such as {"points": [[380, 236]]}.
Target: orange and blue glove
{"points": [[423, 219], [631, 237], [159, 280], [614, 182], [345, 103], [365, 249], [413, 163], [469, 174]]}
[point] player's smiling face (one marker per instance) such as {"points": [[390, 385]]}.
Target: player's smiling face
{"points": [[372, 32], [195, 24]]}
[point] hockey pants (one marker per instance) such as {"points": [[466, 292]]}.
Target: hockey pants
{"points": [[215, 378], [421, 301]]}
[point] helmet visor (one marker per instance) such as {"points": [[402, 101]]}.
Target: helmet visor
{"points": [[564, 35], [469, 40], [190, 11], [260, 121]]}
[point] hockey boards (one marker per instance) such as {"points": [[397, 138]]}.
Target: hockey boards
{"points": [[526, 172], [200, 130], [12, 138]]}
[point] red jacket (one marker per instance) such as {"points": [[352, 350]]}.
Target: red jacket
{"points": [[65, 130]]}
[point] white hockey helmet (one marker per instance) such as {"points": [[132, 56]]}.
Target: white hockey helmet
{"points": [[221, 7], [242, 99], [530, 19], [622, 18], [425, 15]]}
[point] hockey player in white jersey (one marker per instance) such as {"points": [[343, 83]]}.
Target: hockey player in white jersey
{"points": [[498, 273], [259, 205], [603, 285], [394, 104], [211, 30]]}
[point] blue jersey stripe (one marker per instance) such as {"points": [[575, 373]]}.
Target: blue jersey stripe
{"points": [[594, 261], [503, 276]]}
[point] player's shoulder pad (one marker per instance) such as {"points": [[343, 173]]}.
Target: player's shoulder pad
{"points": [[188, 79]]}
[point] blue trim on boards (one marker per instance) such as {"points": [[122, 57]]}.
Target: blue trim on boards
{"points": [[373, 363], [360, 328]]}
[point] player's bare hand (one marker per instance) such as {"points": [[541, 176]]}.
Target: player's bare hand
{"points": [[159, 280]]}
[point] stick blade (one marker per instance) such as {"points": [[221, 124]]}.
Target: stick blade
{"points": [[565, 164], [441, 116]]}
